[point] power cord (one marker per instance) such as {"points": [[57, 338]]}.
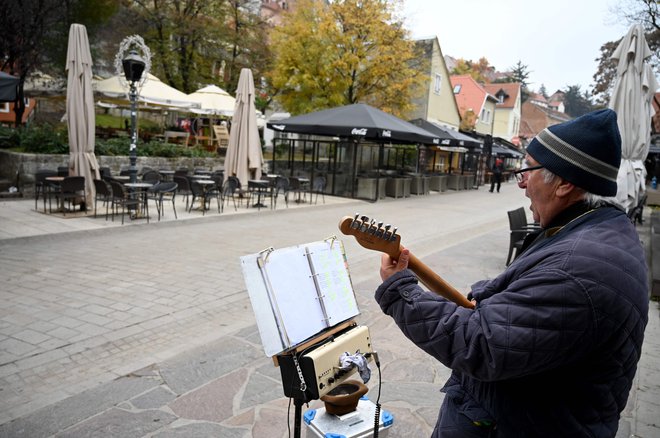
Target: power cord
{"points": [[380, 381]]}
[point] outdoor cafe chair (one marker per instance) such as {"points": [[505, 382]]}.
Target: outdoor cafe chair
{"points": [[238, 191], [151, 176], [121, 198], [41, 185], [105, 173], [281, 187], [183, 187], [230, 191], [71, 188], [103, 194], [181, 171], [318, 187], [296, 187], [63, 171], [199, 192], [161, 192], [519, 229]]}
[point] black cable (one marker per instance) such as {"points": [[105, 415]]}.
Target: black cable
{"points": [[377, 413]]}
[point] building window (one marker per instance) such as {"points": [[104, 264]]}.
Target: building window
{"points": [[457, 88], [437, 84], [485, 115], [4, 107]]}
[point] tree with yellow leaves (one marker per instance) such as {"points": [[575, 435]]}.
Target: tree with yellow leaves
{"points": [[344, 52]]}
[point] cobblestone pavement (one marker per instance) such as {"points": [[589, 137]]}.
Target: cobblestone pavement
{"points": [[146, 330]]}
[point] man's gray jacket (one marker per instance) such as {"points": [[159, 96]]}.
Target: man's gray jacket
{"points": [[552, 346]]}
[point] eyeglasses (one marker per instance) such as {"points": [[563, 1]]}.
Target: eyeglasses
{"points": [[520, 174]]}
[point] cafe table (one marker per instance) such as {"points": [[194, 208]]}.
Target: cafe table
{"points": [[261, 187], [139, 190], [53, 186], [206, 184]]}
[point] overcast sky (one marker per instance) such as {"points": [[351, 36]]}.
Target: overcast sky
{"points": [[558, 40]]}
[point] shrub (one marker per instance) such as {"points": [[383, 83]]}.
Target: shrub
{"points": [[49, 139], [120, 146], [43, 139]]}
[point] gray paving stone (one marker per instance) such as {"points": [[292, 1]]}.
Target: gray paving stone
{"points": [[154, 399], [206, 363], [120, 423], [62, 415], [202, 430]]}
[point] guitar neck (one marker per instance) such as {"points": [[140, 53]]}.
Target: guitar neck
{"points": [[435, 283], [372, 235]]}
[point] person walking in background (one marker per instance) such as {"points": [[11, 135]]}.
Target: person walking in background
{"points": [[496, 178], [552, 345]]}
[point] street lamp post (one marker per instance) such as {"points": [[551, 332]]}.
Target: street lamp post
{"points": [[133, 68]]}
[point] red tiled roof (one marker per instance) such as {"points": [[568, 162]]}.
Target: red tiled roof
{"points": [[471, 95], [511, 90]]}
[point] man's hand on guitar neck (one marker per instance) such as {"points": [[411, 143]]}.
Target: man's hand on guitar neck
{"points": [[390, 266]]}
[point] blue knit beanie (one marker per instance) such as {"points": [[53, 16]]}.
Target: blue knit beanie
{"points": [[585, 151]]}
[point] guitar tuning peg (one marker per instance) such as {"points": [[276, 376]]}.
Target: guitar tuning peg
{"points": [[379, 230], [394, 233]]}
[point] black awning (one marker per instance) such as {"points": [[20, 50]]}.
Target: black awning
{"points": [[356, 121]]}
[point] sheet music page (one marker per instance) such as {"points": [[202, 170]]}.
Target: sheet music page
{"points": [[295, 293], [334, 280]]}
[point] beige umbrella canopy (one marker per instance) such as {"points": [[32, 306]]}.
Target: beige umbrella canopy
{"points": [[213, 100], [634, 87], [153, 92], [80, 110], [244, 158]]}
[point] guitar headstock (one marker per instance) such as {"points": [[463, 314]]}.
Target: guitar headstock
{"points": [[371, 234]]}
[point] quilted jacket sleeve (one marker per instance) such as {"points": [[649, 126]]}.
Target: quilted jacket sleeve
{"points": [[537, 323]]}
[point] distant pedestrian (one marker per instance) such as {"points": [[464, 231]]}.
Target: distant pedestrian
{"points": [[498, 168]]}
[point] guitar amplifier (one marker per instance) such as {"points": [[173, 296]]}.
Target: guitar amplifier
{"points": [[319, 365]]}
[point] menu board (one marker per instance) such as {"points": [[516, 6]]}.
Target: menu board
{"points": [[299, 291]]}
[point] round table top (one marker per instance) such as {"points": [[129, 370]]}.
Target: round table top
{"points": [[138, 185]]}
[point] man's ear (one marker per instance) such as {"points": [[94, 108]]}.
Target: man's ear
{"points": [[565, 189]]}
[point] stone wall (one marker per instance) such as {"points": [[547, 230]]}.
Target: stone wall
{"points": [[27, 164]]}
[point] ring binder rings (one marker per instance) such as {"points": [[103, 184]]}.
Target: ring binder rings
{"points": [[298, 292]]}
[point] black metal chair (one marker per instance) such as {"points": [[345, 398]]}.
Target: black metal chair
{"points": [[183, 187], [230, 191], [41, 185], [63, 171], [71, 188], [281, 187], [636, 213], [519, 229], [122, 198], [151, 176], [105, 173], [161, 192], [103, 194], [318, 187]]}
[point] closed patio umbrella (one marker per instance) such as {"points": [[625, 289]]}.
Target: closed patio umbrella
{"points": [[244, 158], [634, 87], [80, 110]]}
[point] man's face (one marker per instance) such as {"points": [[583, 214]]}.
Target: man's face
{"points": [[538, 191]]}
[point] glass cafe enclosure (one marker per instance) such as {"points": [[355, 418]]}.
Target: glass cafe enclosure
{"points": [[367, 170]]}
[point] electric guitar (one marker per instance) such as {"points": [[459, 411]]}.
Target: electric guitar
{"points": [[372, 235]]}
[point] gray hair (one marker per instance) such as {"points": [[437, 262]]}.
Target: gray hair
{"points": [[591, 199]]}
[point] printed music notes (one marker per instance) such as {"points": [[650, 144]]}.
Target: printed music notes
{"points": [[299, 291]]}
